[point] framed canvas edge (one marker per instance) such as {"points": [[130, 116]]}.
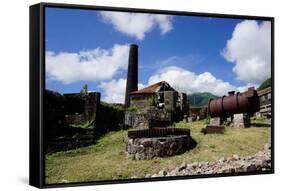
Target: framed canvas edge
{"points": [[37, 89], [35, 96]]}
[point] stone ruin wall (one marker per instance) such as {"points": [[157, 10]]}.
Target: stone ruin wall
{"points": [[89, 104], [150, 115], [147, 118], [142, 100], [63, 110], [76, 119]]}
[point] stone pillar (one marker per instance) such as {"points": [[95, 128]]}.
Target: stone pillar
{"points": [[216, 121], [229, 119], [185, 118], [184, 104], [241, 120], [91, 105], [170, 99], [189, 119]]}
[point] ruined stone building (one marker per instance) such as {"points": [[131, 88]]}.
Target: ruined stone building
{"points": [[265, 102], [196, 113], [63, 114], [161, 96], [70, 109], [156, 105], [74, 120], [81, 108]]}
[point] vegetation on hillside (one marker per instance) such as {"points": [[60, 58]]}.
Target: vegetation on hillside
{"points": [[265, 84], [110, 117], [134, 108], [200, 99], [86, 125]]}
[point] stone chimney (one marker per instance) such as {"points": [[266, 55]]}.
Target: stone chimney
{"points": [[132, 76]]}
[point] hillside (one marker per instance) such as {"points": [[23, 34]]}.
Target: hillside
{"points": [[200, 99], [265, 84]]}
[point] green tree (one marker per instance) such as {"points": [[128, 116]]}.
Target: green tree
{"points": [[84, 89]]}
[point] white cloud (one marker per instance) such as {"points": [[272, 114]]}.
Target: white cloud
{"points": [[250, 50], [245, 88], [182, 80], [90, 65], [137, 24], [189, 82], [114, 90]]}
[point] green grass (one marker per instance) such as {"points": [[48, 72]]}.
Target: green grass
{"points": [[134, 108], [87, 125], [106, 160]]}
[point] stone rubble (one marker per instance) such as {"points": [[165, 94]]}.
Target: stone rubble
{"points": [[261, 161]]}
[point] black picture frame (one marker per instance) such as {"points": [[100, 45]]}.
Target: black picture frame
{"points": [[37, 87]]}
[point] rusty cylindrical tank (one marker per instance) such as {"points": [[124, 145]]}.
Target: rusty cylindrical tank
{"points": [[246, 102]]}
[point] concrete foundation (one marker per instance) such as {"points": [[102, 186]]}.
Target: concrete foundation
{"points": [[216, 121], [241, 120]]}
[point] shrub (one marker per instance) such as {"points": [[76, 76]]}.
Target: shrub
{"points": [[207, 120], [87, 125], [134, 108]]}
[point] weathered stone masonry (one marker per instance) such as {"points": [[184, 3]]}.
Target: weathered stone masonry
{"points": [[148, 148]]}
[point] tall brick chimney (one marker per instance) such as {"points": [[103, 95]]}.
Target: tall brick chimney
{"points": [[132, 76]]}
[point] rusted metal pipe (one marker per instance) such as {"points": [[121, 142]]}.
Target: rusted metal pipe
{"points": [[246, 102]]}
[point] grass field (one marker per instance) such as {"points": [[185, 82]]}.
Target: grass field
{"points": [[106, 160]]}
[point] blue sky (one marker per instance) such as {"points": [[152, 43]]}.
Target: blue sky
{"points": [[201, 49]]}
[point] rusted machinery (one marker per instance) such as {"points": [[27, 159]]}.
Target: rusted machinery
{"points": [[246, 102], [211, 129], [157, 132]]}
